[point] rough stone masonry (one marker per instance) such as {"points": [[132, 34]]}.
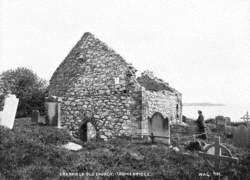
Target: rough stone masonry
{"points": [[102, 97]]}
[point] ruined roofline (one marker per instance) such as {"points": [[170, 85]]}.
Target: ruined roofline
{"points": [[150, 82], [75, 61]]}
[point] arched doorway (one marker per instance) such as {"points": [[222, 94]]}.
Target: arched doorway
{"points": [[87, 131], [159, 127]]}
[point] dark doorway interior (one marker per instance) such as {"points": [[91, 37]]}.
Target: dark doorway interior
{"points": [[83, 132]]}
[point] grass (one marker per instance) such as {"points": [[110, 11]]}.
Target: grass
{"points": [[30, 151]]}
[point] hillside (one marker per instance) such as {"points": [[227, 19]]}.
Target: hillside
{"points": [[30, 151]]}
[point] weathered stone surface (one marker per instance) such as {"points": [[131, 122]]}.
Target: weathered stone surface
{"points": [[7, 116], [72, 146], [93, 78]]}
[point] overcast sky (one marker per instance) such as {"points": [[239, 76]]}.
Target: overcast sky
{"points": [[201, 47]]}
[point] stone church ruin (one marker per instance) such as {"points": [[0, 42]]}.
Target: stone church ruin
{"points": [[101, 97]]}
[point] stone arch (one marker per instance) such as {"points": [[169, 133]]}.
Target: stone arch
{"points": [[87, 128], [160, 127]]}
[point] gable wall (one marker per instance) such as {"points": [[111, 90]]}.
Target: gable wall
{"points": [[115, 107], [67, 71], [86, 82]]}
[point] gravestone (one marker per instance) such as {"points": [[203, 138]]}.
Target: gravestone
{"points": [[35, 116], [220, 122], [7, 116], [53, 113], [159, 128]]}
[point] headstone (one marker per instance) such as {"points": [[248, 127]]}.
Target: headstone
{"points": [[35, 116], [7, 116], [220, 123], [228, 120], [220, 120], [52, 113], [159, 128]]}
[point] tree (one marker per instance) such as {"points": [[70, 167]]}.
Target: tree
{"points": [[27, 86]]}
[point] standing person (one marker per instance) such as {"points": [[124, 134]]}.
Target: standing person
{"points": [[201, 125]]}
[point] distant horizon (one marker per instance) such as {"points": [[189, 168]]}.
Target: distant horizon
{"points": [[202, 104], [235, 112]]}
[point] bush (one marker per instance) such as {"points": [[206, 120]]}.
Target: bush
{"points": [[28, 87]]}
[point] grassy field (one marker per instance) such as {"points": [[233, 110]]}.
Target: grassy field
{"points": [[30, 151]]}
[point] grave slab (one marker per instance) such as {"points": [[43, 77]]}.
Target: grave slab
{"points": [[7, 116]]}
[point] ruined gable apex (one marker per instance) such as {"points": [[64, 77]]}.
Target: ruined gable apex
{"points": [[87, 49]]}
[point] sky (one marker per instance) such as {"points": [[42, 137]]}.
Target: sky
{"points": [[201, 47]]}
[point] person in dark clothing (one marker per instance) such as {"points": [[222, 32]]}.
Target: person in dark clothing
{"points": [[201, 126]]}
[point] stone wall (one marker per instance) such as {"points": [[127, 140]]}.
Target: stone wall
{"points": [[105, 86], [162, 101], [112, 114], [95, 79]]}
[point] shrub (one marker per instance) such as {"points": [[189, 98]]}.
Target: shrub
{"points": [[28, 87]]}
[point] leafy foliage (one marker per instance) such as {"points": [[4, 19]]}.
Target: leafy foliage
{"points": [[28, 87]]}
